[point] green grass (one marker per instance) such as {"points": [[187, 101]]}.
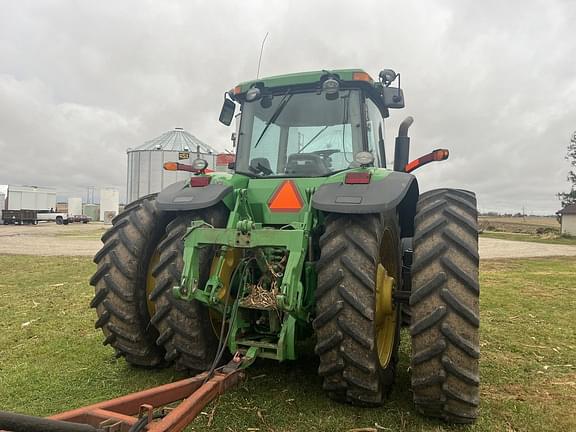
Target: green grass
{"points": [[52, 359], [534, 238]]}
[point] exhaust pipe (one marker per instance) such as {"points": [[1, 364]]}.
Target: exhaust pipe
{"points": [[402, 148]]}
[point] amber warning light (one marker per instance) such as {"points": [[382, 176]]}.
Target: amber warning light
{"points": [[436, 155], [177, 166]]}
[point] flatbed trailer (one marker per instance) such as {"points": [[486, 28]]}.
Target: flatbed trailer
{"points": [[19, 217], [25, 216]]}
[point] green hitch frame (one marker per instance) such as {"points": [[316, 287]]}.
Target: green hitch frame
{"points": [[243, 232]]}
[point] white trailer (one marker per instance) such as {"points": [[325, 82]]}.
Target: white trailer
{"points": [[29, 198]]}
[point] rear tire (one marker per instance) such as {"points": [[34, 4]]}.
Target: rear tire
{"points": [[185, 328], [445, 306], [345, 321], [120, 282]]}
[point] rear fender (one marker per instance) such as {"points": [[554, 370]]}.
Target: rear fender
{"points": [[397, 190], [181, 197]]}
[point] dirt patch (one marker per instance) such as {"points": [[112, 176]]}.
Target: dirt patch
{"points": [[496, 248], [49, 239], [84, 240]]}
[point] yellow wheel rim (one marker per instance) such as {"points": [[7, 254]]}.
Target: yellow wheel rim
{"points": [[151, 282], [386, 321], [386, 316], [231, 260]]}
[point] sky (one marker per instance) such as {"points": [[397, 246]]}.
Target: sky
{"points": [[493, 81]]}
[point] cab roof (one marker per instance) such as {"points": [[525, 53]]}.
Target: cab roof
{"points": [[300, 78]]}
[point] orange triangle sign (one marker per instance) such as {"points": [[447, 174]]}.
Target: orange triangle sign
{"points": [[286, 198]]}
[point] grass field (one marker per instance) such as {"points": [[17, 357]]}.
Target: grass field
{"points": [[527, 224], [52, 359], [534, 238]]}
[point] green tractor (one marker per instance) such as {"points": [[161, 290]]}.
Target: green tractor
{"points": [[311, 236]]}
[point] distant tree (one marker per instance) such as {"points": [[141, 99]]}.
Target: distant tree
{"points": [[570, 197]]}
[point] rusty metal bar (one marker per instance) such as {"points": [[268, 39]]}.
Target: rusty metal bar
{"points": [[187, 411], [121, 413], [130, 404]]}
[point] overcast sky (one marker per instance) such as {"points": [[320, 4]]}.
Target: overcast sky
{"points": [[493, 81]]}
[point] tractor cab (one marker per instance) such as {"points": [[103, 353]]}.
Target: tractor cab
{"points": [[315, 126]]}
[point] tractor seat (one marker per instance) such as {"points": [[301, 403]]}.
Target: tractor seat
{"points": [[261, 165], [306, 165]]}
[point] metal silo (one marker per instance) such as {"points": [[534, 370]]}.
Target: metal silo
{"points": [[145, 163]]}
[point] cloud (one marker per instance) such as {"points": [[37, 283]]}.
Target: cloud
{"points": [[82, 81]]}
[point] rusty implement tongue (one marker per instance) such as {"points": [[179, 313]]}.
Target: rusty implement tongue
{"points": [[144, 410]]}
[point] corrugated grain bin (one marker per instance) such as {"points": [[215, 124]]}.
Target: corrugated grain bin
{"points": [[109, 204], [146, 174]]}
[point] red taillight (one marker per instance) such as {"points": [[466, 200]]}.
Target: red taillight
{"points": [[358, 177], [199, 181]]}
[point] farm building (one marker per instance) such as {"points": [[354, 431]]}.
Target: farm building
{"points": [[568, 219], [28, 197]]}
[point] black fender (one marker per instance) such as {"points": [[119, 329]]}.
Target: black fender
{"points": [[397, 190], [181, 197]]}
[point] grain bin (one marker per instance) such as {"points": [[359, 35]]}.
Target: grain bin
{"points": [[74, 206], [145, 163], [109, 204]]}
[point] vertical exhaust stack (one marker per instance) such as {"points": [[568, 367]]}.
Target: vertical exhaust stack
{"points": [[402, 148]]}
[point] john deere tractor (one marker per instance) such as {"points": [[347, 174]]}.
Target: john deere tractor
{"points": [[310, 235]]}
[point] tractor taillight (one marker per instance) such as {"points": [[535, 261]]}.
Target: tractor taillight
{"points": [[199, 181], [362, 177]]}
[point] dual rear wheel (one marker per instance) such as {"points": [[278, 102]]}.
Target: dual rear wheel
{"points": [[139, 263], [357, 336]]}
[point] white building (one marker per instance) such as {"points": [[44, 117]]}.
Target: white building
{"points": [[28, 197], [74, 206], [568, 219], [109, 204]]}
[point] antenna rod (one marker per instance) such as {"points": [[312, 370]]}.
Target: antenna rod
{"points": [[260, 58]]}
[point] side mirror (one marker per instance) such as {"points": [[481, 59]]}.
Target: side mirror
{"points": [[393, 97], [227, 113]]}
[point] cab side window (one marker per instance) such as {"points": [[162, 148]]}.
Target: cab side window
{"points": [[375, 132]]}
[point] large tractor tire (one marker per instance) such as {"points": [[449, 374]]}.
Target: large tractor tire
{"points": [[357, 324], [185, 327], [445, 306], [122, 282]]}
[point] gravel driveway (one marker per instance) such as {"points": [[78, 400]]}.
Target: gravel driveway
{"points": [[84, 240]]}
